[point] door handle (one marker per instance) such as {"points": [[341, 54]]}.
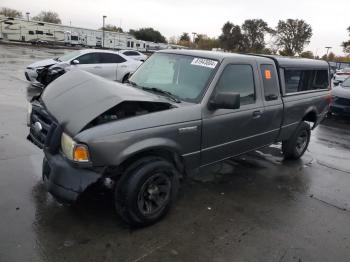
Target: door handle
{"points": [[97, 67], [257, 114]]}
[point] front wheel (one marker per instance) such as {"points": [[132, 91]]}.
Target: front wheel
{"points": [[146, 191], [296, 146]]}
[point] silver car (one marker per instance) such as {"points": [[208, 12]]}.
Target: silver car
{"points": [[108, 64]]}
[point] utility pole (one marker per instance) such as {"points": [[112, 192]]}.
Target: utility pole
{"points": [[103, 31], [327, 47]]}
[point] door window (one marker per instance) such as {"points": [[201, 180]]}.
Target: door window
{"points": [[238, 79], [107, 58], [91, 58]]}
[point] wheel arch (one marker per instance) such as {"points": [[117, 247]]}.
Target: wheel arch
{"points": [[160, 147], [311, 116]]}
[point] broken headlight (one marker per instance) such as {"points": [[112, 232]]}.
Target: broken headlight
{"points": [[73, 150]]}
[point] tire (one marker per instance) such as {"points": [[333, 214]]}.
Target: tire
{"points": [[146, 191], [296, 146]]}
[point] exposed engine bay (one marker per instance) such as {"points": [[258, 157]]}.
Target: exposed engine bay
{"points": [[47, 74], [128, 109]]}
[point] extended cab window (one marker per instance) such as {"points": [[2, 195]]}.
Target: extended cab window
{"points": [[297, 80], [268, 73], [238, 79]]}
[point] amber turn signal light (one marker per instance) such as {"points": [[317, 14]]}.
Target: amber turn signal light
{"points": [[81, 153]]}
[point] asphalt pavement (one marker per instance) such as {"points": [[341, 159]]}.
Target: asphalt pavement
{"points": [[256, 207]]}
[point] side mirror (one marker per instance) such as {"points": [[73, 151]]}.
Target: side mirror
{"points": [[75, 62], [225, 100]]}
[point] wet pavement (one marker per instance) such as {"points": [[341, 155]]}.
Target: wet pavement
{"points": [[253, 208]]}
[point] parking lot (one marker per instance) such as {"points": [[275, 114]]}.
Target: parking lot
{"points": [[256, 207]]}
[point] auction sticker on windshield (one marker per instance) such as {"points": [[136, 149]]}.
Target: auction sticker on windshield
{"points": [[204, 62]]}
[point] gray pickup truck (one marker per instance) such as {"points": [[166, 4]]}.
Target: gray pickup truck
{"points": [[181, 110]]}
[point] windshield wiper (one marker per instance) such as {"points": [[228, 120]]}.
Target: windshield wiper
{"points": [[156, 90], [162, 92]]}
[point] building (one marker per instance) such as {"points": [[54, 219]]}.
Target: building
{"points": [[23, 30]]}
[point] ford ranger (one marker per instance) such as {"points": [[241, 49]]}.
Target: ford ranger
{"points": [[181, 110]]}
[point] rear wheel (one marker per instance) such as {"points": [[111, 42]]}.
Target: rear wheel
{"points": [[296, 146], [146, 191]]}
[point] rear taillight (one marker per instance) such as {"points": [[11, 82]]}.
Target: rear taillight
{"points": [[342, 74]]}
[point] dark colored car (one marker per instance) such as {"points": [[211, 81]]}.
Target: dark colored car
{"points": [[182, 110]]}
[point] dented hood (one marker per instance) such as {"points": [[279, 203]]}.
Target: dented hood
{"points": [[78, 97]]}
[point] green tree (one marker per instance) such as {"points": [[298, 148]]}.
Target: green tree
{"points": [[9, 12], [254, 31], [307, 54], [148, 34], [231, 38], [331, 56], [346, 44], [206, 43], [185, 37], [112, 28], [292, 36], [48, 16]]}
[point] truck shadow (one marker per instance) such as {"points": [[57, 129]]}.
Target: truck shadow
{"points": [[244, 189]]}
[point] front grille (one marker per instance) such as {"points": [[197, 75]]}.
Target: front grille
{"points": [[342, 101], [44, 130]]}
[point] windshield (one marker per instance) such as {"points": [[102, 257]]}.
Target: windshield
{"points": [[185, 77], [69, 56], [346, 83]]}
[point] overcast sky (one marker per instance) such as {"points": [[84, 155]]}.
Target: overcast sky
{"points": [[329, 19]]}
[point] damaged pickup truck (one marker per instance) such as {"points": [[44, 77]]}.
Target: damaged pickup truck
{"points": [[182, 110]]}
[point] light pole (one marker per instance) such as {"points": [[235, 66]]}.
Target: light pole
{"points": [[327, 47], [194, 38], [103, 31], [27, 13]]}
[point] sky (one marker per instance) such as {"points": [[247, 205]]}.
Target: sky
{"points": [[329, 19]]}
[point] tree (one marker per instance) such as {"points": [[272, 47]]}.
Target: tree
{"points": [[185, 37], [331, 56], [9, 12], [206, 43], [112, 28], [292, 36], [148, 34], [254, 31], [307, 54], [346, 44], [48, 16], [231, 38]]}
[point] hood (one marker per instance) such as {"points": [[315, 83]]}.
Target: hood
{"points": [[43, 63], [78, 97], [342, 92]]}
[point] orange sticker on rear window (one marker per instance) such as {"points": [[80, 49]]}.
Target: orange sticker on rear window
{"points": [[267, 74]]}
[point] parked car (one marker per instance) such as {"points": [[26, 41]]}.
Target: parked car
{"points": [[108, 64], [341, 75], [182, 110], [340, 104], [134, 55]]}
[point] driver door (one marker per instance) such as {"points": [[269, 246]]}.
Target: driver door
{"points": [[229, 132]]}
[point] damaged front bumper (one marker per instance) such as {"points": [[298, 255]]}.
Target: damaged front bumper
{"points": [[63, 180]]}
